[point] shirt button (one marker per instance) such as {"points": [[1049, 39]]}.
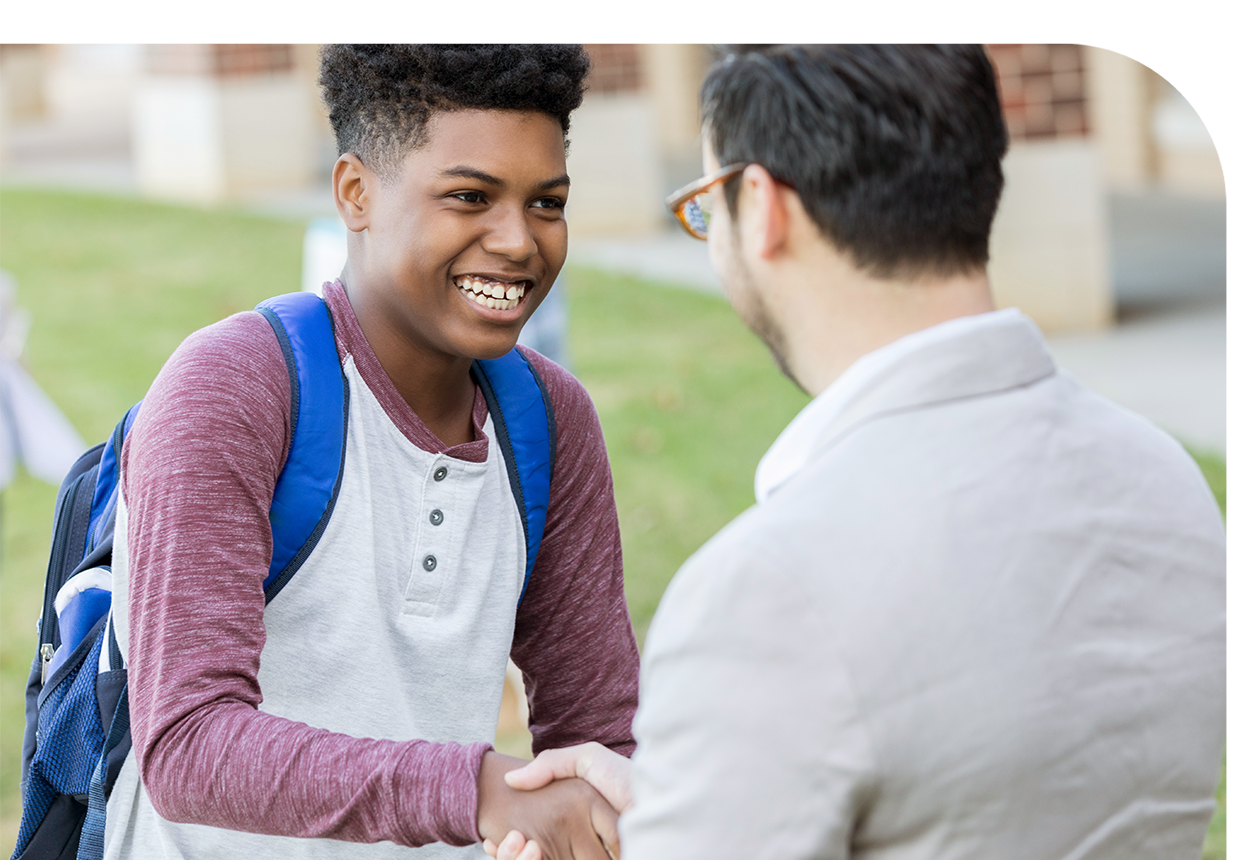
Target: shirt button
{"points": [[441, 473], [429, 562], [436, 516]]}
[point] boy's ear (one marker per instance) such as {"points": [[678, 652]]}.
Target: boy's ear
{"points": [[351, 181]]}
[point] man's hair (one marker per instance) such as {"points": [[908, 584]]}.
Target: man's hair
{"points": [[381, 97], [894, 151]]}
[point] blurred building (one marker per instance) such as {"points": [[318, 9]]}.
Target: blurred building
{"points": [[212, 123], [216, 122]]}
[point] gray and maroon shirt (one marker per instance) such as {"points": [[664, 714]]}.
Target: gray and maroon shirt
{"points": [[357, 706]]}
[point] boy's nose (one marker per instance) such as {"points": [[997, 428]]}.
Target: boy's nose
{"points": [[510, 236]]}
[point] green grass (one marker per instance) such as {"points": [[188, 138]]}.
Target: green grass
{"points": [[1230, 835], [112, 287], [689, 401]]}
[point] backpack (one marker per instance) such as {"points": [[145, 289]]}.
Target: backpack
{"points": [[77, 716]]}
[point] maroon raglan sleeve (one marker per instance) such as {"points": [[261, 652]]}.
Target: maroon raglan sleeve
{"points": [[198, 473], [574, 642]]}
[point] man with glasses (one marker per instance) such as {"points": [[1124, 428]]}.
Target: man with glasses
{"points": [[977, 610]]}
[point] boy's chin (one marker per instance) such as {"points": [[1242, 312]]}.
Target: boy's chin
{"points": [[495, 347], [488, 356]]}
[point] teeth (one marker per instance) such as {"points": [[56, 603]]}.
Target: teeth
{"points": [[496, 294]]}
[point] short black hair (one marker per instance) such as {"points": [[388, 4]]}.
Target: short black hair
{"points": [[894, 150], [380, 97]]}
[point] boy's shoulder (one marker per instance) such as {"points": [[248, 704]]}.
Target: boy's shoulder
{"points": [[236, 361], [233, 367], [570, 401], [242, 341]]}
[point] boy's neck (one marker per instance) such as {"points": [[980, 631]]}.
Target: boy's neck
{"points": [[437, 387]]}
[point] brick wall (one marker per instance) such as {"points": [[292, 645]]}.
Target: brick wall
{"points": [[1042, 89], [221, 61], [615, 69]]}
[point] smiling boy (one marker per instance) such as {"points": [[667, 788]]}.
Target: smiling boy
{"points": [[353, 715]]}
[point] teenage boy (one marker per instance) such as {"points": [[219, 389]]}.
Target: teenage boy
{"points": [[356, 710], [977, 610]]}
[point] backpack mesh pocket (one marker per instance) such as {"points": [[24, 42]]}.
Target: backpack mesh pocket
{"points": [[70, 741]]}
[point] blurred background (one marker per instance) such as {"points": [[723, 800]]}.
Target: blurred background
{"points": [[149, 190]]}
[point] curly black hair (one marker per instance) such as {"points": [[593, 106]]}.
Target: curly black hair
{"points": [[380, 97]]}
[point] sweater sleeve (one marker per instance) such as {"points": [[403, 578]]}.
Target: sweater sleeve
{"points": [[574, 642], [199, 469]]}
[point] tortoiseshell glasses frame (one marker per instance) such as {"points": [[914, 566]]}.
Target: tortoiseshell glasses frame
{"points": [[691, 205]]}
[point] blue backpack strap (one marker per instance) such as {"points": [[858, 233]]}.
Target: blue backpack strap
{"points": [[104, 502], [526, 431], [309, 483]]}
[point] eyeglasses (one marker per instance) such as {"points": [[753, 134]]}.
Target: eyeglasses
{"points": [[692, 203]]}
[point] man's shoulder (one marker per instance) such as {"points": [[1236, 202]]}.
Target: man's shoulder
{"points": [[986, 474], [1105, 448]]}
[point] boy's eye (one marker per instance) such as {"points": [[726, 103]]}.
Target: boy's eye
{"points": [[471, 196], [554, 203]]}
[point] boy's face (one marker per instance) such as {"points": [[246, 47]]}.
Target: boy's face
{"points": [[465, 242]]}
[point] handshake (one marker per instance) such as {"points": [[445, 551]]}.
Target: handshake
{"points": [[561, 806]]}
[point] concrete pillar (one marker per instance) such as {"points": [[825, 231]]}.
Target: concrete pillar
{"points": [[1121, 93], [614, 161], [4, 118], [1050, 241], [221, 122], [672, 75], [1149, 135], [23, 75]]}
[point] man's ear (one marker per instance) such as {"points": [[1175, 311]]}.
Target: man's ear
{"points": [[762, 208], [351, 181]]}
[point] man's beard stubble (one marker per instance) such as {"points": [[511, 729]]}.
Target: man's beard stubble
{"points": [[751, 309]]}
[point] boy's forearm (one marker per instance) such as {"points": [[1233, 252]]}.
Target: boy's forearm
{"points": [[234, 767]]}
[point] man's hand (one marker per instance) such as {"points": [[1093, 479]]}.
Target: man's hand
{"points": [[605, 770], [608, 772], [566, 819], [514, 847]]}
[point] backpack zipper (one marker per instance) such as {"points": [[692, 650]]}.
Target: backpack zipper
{"points": [[45, 654], [60, 547]]}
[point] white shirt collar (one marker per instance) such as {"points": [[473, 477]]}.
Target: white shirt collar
{"points": [[793, 447]]}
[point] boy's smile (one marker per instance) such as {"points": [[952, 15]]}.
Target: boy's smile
{"points": [[452, 253], [491, 293]]}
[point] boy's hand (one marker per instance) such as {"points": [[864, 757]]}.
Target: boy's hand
{"points": [[566, 819]]}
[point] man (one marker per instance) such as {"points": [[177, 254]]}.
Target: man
{"points": [[977, 610]]}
